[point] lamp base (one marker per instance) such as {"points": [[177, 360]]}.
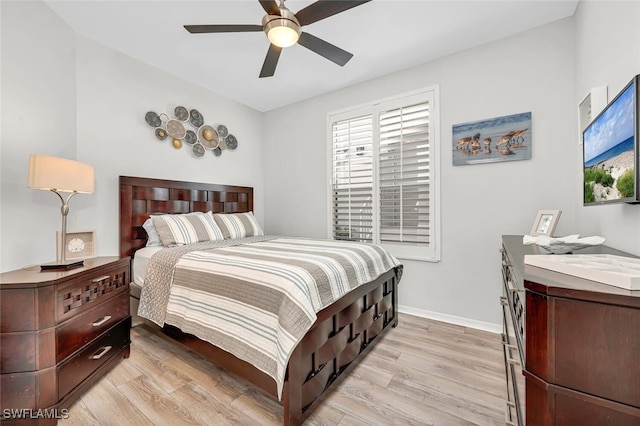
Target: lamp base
{"points": [[61, 266]]}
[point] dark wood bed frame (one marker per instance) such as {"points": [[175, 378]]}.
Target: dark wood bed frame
{"points": [[341, 335]]}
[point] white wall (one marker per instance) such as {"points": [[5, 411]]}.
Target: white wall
{"points": [[38, 117], [607, 53], [532, 71], [114, 93], [68, 96]]}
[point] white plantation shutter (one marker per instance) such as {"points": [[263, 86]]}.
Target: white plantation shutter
{"points": [[352, 192], [404, 175], [383, 186]]}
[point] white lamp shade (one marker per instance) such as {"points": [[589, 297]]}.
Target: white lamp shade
{"points": [[60, 174]]}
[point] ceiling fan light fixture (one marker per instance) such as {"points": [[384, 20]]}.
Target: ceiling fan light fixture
{"points": [[282, 32]]}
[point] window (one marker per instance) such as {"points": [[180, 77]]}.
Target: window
{"points": [[383, 164]]}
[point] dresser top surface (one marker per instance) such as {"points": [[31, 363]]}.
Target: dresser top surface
{"points": [[32, 276], [555, 283]]}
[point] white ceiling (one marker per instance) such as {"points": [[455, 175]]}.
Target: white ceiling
{"points": [[384, 36]]}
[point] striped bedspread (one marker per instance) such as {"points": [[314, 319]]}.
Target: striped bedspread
{"points": [[256, 297]]}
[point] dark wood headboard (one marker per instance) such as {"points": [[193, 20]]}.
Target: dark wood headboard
{"points": [[141, 197]]}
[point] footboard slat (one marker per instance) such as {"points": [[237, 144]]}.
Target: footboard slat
{"points": [[375, 328], [350, 314], [316, 337], [332, 347], [350, 352], [315, 385]]}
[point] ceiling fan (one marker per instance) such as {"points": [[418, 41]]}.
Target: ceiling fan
{"points": [[284, 29]]}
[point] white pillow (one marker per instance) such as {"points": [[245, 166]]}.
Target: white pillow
{"points": [[152, 236]]}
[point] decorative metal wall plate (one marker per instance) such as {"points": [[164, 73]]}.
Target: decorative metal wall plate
{"points": [[208, 137], [222, 131], [196, 118], [232, 142], [191, 137], [176, 129], [161, 133], [181, 113], [152, 119], [198, 150], [202, 138]]}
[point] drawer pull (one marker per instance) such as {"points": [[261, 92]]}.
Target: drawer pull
{"points": [[102, 352], [102, 321], [102, 278]]}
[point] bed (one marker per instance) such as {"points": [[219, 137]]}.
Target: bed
{"points": [[342, 333]]}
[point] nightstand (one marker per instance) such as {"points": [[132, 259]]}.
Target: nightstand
{"points": [[60, 332]]}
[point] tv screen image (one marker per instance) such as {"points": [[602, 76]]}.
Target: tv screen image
{"points": [[610, 151]]}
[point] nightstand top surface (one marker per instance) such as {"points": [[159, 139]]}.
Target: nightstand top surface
{"points": [[32, 276]]}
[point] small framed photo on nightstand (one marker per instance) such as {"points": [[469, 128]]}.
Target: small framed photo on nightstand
{"points": [[545, 223], [78, 245]]}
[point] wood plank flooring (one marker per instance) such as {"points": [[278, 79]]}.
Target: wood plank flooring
{"points": [[423, 372]]}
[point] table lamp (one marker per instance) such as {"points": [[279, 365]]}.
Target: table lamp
{"points": [[61, 175]]}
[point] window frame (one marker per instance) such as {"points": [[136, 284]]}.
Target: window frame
{"points": [[430, 94]]}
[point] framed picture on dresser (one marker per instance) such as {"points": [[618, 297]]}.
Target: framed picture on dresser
{"points": [[545, 222], [78, 245]]}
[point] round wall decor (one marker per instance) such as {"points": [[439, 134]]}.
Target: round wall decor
{"points": [[202, 137]]}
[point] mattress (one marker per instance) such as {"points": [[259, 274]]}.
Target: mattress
{"points": [[141, 263]]}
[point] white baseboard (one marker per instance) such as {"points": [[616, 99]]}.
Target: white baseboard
{"points": [[452, 319]]}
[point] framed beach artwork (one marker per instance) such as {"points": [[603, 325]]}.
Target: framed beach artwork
{"points": [[506, 138]]}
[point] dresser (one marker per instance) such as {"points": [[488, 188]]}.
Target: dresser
{"points": [[580, 342], [60, 332]]}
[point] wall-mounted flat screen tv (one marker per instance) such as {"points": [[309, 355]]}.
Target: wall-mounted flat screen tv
{"points": [[611, 151]]}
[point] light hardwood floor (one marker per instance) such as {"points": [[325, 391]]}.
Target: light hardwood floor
{"points": [[423, 372]]}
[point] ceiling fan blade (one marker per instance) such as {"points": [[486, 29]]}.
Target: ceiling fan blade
{"points": [[198, 29], [270, 62], [323, 48], [270, 6], [325, 8]]}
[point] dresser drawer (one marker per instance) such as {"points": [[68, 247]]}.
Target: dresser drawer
{"points": [[80, 366], [81, 329], [89, 290]]}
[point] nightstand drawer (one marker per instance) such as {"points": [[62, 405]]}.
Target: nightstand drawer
{"points": [[80, 366], [82, 329], [88, 290]]}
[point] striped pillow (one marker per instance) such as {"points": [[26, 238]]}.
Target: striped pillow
{"points": [[238, 225], [180, 229]]}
